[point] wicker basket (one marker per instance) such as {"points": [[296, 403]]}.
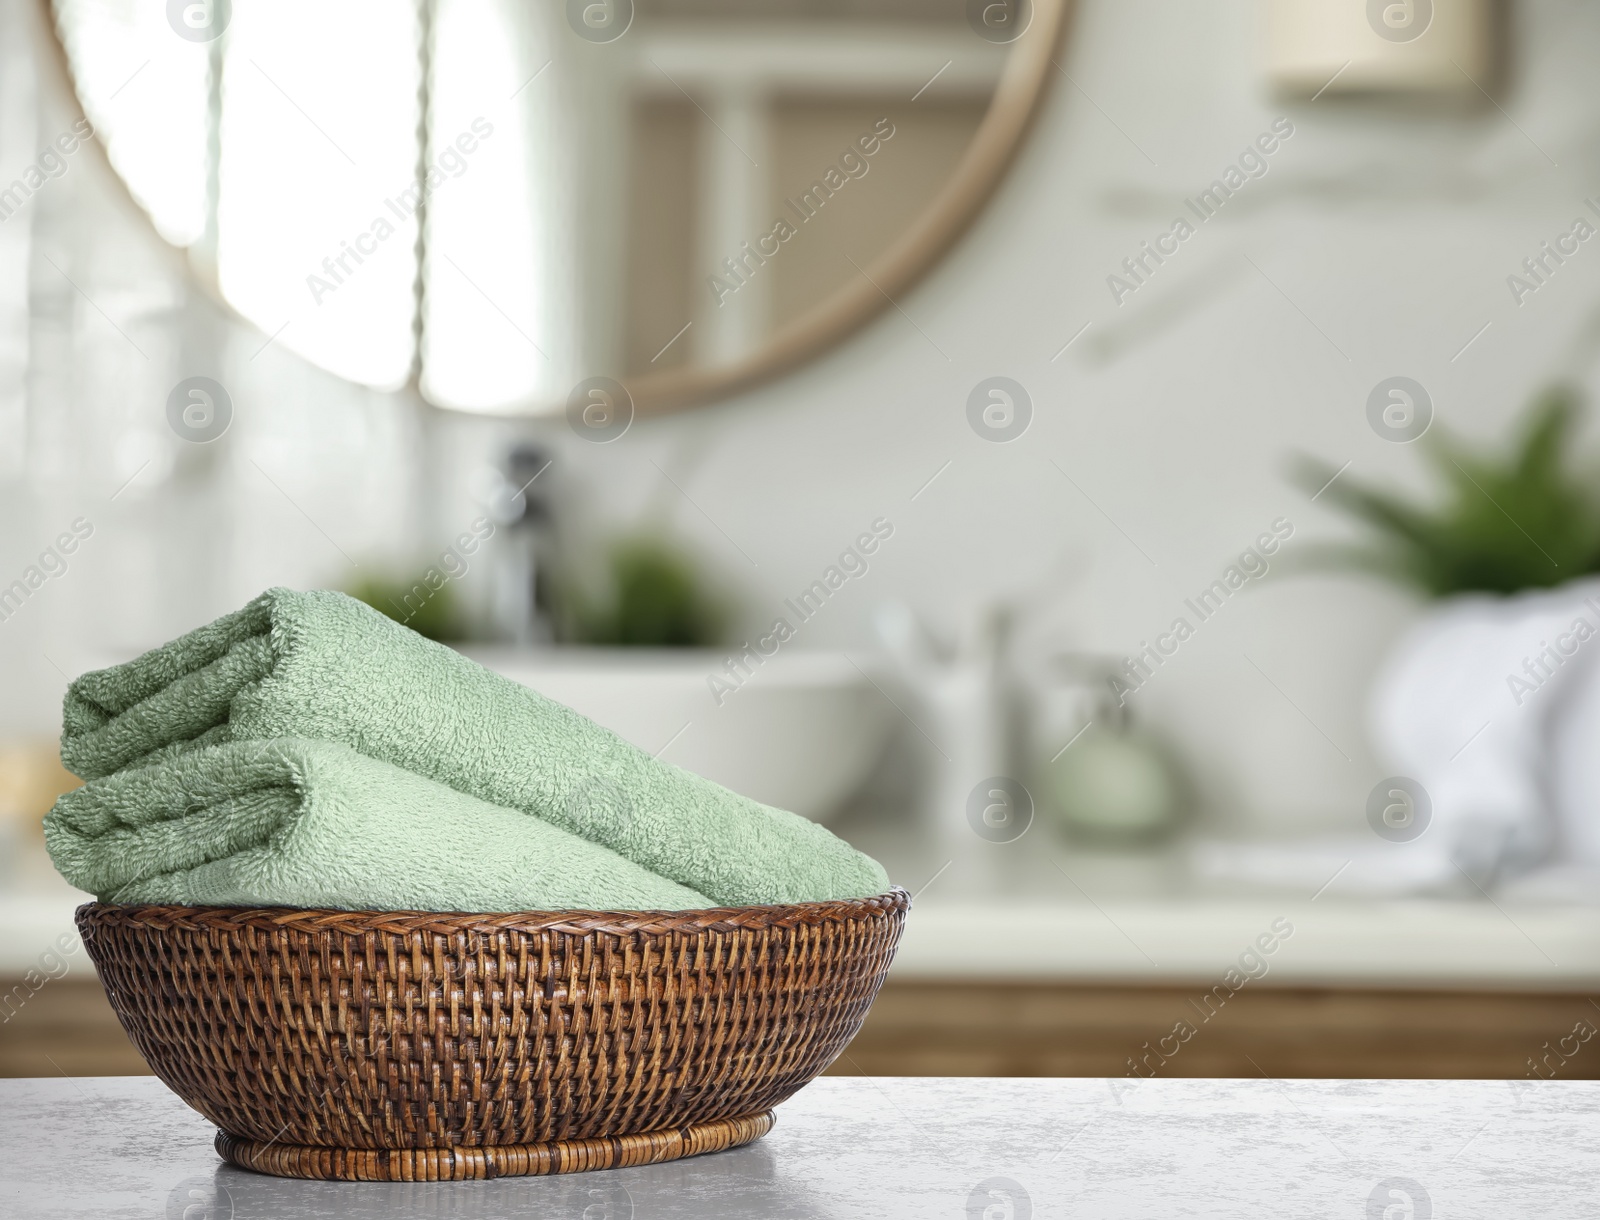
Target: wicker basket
{"points": [[404, 1046]]}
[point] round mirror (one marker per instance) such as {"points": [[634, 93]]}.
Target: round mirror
{"points": [[535, 207]]}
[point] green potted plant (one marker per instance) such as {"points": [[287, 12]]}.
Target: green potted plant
{"points": [[653, 596], [1508, 522]]}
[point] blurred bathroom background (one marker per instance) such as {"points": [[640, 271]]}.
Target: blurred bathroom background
{"points": [[581, 407]]}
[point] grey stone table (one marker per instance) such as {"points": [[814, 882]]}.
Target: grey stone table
{"points": [[124, 1147]]}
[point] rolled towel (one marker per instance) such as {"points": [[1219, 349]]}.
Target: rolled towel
{"points": [[297, 823], [322, 665]]}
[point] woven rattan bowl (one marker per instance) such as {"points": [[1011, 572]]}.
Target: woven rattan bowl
{"points": [[418, 1047]]}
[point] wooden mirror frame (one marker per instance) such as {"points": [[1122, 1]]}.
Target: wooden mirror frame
{"points": [[1024, 82]]}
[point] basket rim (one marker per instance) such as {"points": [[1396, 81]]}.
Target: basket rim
{"points": [[582, 922]]}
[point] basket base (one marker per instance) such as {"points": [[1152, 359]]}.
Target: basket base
{"points": [[492, 1161]]}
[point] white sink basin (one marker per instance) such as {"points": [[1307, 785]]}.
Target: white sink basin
{"points": [[801, 733]]}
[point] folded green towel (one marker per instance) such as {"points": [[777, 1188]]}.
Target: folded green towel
{"points": [[322, 665], [298, 823]]}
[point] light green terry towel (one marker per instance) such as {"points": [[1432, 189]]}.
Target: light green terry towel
{"points": [[301, 823], [323, 665]]}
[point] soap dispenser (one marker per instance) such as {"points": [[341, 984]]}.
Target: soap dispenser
{"points": [[1100, 776]]}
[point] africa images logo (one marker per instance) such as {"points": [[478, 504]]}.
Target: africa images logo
{"points": [[1400, 20]]}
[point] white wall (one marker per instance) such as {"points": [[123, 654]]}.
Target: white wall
{"points": [[1390, 232]]}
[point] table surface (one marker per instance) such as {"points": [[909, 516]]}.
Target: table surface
{"points": [[124, 1147]]}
